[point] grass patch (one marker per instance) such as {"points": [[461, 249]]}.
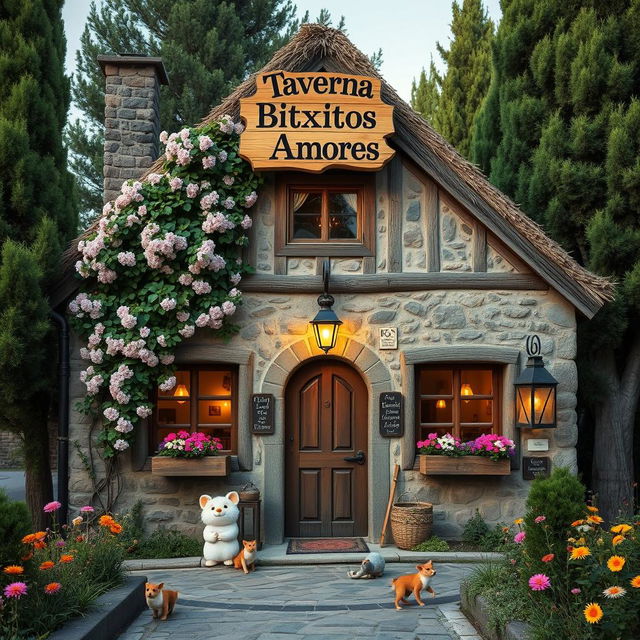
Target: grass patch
{"points": [[163, 543], [432, 544]]}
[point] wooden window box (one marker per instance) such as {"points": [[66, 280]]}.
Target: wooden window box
{"points": [[207, 466], [463, 466]]}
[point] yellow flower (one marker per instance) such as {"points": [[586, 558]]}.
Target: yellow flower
{"points": [[76, 522], [518, 521], [600, 541], [593, 613], [621, 528], [580, 552], [635, 582], [617, 540], [592, 509], [595, 519], [573, 540], [581, 541], [615, 563]]}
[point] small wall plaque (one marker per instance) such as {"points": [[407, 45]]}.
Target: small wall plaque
{"points": [[263, 413], [537, 467], [538, 444], [388, 338], [391, 418]]}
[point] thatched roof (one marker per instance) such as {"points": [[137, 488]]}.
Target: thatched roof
{"points": [[317, 47]]}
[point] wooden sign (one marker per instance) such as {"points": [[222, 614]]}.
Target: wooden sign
{"points": [[263, 414], [316, 121], [391, 419], [533, 468]]}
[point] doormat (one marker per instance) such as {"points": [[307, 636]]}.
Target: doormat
{"points": [[327, 545]]}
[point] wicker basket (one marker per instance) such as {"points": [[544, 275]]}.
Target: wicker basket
{"points": [[249, 493], [411, 523]]}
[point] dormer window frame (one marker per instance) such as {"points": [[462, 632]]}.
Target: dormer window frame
{"points": [[363, 185]]}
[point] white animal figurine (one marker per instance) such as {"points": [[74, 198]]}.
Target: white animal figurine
{"points": [[220, 515]]}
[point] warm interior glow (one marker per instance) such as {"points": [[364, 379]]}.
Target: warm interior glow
{"points": [[182, 392], [326, 333], [441, 404], [466, 390]]}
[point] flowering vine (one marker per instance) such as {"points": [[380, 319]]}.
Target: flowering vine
{"points": [[165, 258]]}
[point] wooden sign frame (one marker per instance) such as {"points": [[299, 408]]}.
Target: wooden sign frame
{"points": [[265, 416], [316, 121]]}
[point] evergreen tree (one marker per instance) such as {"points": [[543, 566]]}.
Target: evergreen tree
{"points": [[37, 214], [466, 81], [450, 102], [426, 92], [560, 133]]}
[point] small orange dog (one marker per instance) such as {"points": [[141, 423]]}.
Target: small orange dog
{"points": [[406, 585], [160, 601]]}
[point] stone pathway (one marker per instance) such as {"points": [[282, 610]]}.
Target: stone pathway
{"points": [[302, 602]]}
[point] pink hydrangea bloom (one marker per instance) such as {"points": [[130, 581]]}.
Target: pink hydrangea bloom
{"points": [[192, 190], [120, 445], [208, 162], [204, 142], [175, 183]]}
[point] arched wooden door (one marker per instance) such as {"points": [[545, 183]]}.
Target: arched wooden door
{"points": [[326, 453]]}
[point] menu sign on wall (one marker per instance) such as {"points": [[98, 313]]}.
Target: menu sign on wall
{"points": [[537, 467], [391, 422], [262, 413], [314, 121]]}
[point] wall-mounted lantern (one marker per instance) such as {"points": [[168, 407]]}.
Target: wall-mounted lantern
{"points": [[535, 391], [326, 324]]}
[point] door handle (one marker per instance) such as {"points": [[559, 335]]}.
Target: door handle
{"points": [[359, 458]]}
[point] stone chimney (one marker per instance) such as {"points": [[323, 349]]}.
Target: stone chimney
{"points": [[131, 117]]}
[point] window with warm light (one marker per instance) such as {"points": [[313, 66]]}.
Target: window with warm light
{"points": [[463, 400], [204, 399], [325, 215]]}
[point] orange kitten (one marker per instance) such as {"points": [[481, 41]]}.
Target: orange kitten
{"points": [[246, 559], [160, 601], [406, 585]]}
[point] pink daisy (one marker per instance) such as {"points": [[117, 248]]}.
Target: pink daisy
{"points": [[539, 582], [87, 509], [519, 537], [15, 590], [50, 507]]}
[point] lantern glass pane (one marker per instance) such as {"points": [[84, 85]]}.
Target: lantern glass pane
{"points": [[524, 405], [326, 335], [544, 405]]}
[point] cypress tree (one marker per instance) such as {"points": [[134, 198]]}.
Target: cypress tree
{"points": [[37, 214], [466, 81], [426, 92], [450, 102], [560, 133]]}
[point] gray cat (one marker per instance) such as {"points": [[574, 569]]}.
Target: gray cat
{"points": [[372, 567]]}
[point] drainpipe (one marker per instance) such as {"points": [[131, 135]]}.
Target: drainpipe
{"points": [[63, 414]]}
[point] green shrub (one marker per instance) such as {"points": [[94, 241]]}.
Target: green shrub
{"points": [[432, 544], [475, 530], [15, 523], [496, 539], [163, 543], [560, 499]]}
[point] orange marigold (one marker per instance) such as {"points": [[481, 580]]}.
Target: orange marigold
{"points": [[577, 553], [593, 613], [548, 557], [615, 563], [115, 528], [28, 539], [13, 570], [617, 540], [39, 545], [52, 587], [66, 558], [105, 521], [48, 564], [621, 528], [27, 557], [635, 582], [40, 535], [592, 509], [577, 523], [595, 519]]}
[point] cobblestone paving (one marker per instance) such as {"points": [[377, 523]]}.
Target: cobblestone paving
{"points": [[291, 603]]}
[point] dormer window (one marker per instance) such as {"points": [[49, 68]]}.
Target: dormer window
{"points": [[326, 215]]}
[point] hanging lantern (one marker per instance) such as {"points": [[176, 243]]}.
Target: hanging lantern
{"points": [[535, 391], [181, 392], [326, 324]]}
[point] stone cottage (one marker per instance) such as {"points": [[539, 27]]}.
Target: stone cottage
{"points": [[438, 279]]}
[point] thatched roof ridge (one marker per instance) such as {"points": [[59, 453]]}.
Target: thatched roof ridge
{"points": [[316, 46]]}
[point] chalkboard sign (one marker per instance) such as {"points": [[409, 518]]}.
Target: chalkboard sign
{"points": [[262, 413], [533, 468], [391, 420]]}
